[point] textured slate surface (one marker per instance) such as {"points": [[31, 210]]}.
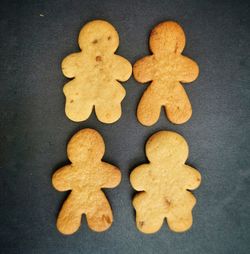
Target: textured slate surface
{"points": [[35, 37]]}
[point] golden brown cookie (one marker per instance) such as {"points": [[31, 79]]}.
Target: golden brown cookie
{"points": [[166, 68], [164, 185], [96, 71], [85, 177]]}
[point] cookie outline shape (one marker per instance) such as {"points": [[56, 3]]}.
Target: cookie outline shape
{"points": [[165, 68], [85, 177], [96, 71], [164, 185]]}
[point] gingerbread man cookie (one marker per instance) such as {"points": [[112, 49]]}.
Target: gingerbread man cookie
{"points": [[166, 68], [85, 177], [164, 184], [96, 71]]}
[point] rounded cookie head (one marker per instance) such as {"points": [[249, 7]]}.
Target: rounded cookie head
{"points": [[86, 145], [167, 37], [167, 146], [98, 35]]}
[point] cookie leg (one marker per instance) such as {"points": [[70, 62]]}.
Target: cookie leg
{"points": [[178, 108], [108, 112], [180, 219], [99, 215], [76, 108], [149, 108], [148, 222], [148, 217], [69, 219]]}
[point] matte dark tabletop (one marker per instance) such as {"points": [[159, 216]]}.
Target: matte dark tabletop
{"points": [[35, 37]]}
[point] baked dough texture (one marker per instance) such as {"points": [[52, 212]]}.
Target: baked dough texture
{"points": [[85, 177], [166, 68], [164, 185], [96, 71]]}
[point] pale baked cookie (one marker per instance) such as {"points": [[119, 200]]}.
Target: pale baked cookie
{"points": [[85, 177], [164, 184], [166, 68], [96, 71]]}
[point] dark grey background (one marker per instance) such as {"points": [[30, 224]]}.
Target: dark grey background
{"points": [[34, 129]]}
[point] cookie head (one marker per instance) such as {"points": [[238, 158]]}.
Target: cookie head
{"points": [[167, 37], [86, 145], [167, 146], [98, 35]]}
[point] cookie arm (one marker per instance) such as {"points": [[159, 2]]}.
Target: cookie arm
{"points": [[191, 177], [143, 69], [188, 70], [110, 175], [122, 69], [62, 178], [70, 65], [139, 177]]}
